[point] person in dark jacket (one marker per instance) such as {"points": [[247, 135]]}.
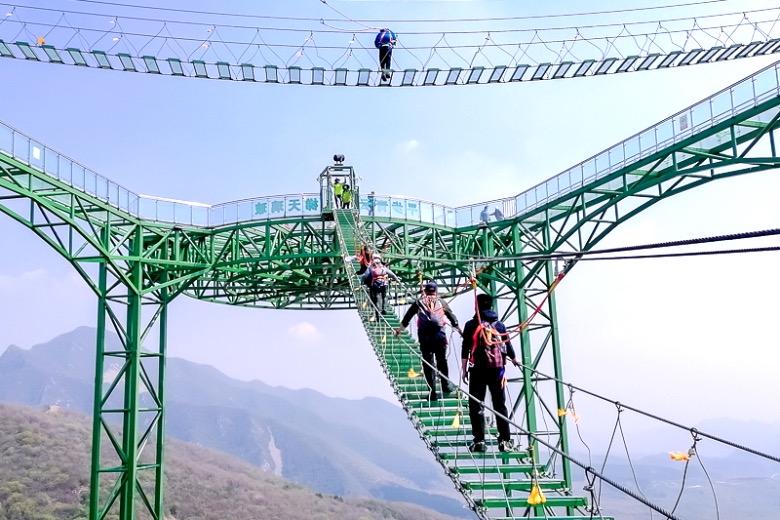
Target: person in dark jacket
{"points": [[482, 377], [385, 41], [430, 311], [377, 278]]}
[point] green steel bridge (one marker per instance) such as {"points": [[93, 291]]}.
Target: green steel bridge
{"points": [[138, 253]]}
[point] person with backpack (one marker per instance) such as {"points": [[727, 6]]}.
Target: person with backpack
{"points": [[483, 356], [377, 278], [431, 311]]}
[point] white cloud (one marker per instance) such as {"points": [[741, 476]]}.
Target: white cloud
{"points": [[305, 332], [21, 279], [410, 145]]}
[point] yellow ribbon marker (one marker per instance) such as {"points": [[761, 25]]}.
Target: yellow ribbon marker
{"points": [[384, 339], [456, 421], [412, 374], [363, 306], [569, 411], [401, 301], [679, 456], [536, 497]]}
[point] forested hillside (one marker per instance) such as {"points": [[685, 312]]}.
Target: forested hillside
{"points": [[44, 475]]}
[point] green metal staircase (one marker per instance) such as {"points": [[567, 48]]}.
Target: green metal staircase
{"points": [[496, 485]]}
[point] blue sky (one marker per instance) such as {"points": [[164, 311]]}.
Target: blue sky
{"points": [[686, 338]]}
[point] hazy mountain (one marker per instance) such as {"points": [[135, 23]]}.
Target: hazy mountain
{"points": [[337, 446], [44, 474], [368, 448]]}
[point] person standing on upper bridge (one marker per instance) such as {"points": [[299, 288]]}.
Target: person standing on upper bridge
{"points": [[430, 311], [377, 278], [385, 41], [484, 216], [338, 189], [346, 197]]}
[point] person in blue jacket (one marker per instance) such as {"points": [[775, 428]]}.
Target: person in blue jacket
{"points": [[385, 41]]}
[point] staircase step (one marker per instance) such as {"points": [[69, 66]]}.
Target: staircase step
{"points": [[580, 517], [465, 454], [424, 403], [449, 431], [434, 422], [492, 468], [511, 485], [514, 502]]}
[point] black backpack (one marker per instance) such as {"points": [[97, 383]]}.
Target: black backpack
{"points": [[490, 341]]}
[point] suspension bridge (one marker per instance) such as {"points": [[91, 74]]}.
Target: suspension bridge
{"points": [[314, 51], [138, 253]]}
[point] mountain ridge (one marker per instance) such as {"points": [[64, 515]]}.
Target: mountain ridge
{"points": [[363, 447]]}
